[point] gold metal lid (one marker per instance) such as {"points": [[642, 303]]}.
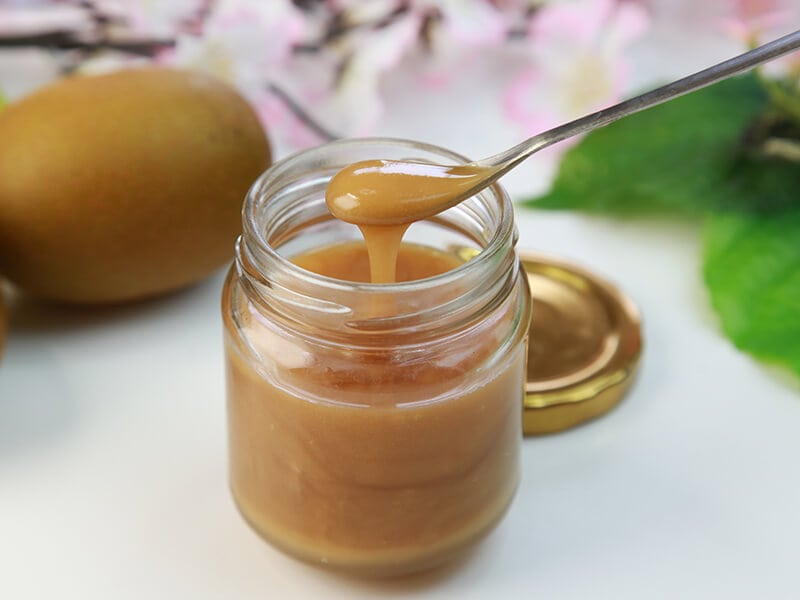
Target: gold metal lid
{"points": [[584, 346]]}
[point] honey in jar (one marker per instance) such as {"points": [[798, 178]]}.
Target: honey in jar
{"points": [[373, 426]]}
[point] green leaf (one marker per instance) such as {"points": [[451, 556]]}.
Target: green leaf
{"points": [[2, 101], [725, 153], [752, 269], [675, 157], [760, 185]]}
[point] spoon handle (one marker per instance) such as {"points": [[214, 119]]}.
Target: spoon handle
{"points": [[513, 156]]}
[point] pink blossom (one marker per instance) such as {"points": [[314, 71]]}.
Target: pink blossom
{"points": [[749, 21], [473, 23], [356, 105], [459, 32], [243, 42], [752, 20], [156, 19], [285, 128], [578, 62], [755, 22]]}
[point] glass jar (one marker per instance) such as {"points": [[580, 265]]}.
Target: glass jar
{"points": [[377, 442]]}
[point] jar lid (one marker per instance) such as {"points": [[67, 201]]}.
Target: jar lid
{"points": [[583, 349]]}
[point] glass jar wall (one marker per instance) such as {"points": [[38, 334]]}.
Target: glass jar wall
{"points": [[373, 428]]}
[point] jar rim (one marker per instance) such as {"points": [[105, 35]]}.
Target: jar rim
{"points": [[496, 244]]}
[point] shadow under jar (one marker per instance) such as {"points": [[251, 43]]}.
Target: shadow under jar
{"points": [[374, 428]]}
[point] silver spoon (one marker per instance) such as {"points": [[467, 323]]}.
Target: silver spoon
{"points": [[384, 192]]}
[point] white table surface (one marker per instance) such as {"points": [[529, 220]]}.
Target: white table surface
{"points": [[113, 450]]}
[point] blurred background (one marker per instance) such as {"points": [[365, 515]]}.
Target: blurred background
{"points": [[112, 425], [424, 69]]}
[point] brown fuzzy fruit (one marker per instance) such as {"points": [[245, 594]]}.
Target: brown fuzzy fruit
{"points": [[123, 186]]}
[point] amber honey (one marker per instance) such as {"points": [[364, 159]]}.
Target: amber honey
{"points": [[377, 442]]}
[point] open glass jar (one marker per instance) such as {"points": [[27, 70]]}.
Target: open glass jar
{"points": [[374, 428]]}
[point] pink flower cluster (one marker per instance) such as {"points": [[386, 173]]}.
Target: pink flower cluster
{"points": [[336, 58]]}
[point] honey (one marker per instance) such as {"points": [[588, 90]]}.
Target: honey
{"points": [[349, 261], [393, 192], [374, 422]]}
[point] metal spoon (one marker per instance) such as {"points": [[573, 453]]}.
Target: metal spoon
{"points": [[381, 192]]}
